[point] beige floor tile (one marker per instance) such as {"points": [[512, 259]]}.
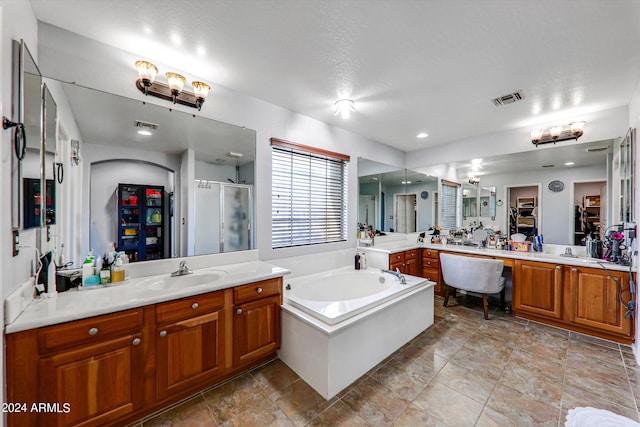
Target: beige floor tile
{"points": [[375, 403], [522, 409], [502, 330], [448, 405], [300, 402], [470, 382], [420, 363], [538, 384], [591, 350], [615, 388], [400, 381], [491, 418], [414, 416], [274, 376], [232, 398], [574, 397], [192, 413], [490, 347], [340, 415]]}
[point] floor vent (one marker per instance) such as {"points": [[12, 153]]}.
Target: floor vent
{"points": [[508, 99]]}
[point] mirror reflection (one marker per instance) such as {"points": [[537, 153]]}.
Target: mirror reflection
{"points": [[147, 173]]}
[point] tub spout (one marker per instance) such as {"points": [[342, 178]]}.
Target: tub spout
{"points": [[397, 274]]}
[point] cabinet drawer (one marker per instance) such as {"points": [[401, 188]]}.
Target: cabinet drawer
{"points": [[430, 263], [432, 274], [429, 253], [396, 258], [86, 331], [412, 254], [257, 290], [189, 307]]}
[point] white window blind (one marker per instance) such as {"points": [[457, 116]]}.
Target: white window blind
{"points": [[309, 195], [448, 219]]}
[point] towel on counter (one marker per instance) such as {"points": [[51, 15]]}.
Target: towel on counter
{"points": [[592, 417]]}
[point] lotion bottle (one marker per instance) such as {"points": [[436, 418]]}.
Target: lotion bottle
{"points": [[363, 261], [357, 261]]}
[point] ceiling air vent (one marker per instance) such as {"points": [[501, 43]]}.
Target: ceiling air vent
{"points": [[508, 99], [596, 149]]}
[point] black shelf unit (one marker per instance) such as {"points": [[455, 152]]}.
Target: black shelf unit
{"points": [[33, 203], [141, 230]]}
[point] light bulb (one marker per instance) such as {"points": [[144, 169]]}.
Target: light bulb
{"points": [[176, 82], [146, 71]]}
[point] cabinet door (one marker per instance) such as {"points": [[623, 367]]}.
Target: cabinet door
{"points": [[256, 329], [397, 266], [100, 383], [538, 289], [410, 267], [595, 300], [189, 352], [433, 274]]}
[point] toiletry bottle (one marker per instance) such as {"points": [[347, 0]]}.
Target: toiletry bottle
{"points": [[52, 292], [357, 261], [363, 261], [125, 264], [88, 268], [117, 270]]}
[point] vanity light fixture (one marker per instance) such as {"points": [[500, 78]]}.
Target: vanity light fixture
{"points": [[558, 133], [174, 90], [474, 180], [344, 107]]}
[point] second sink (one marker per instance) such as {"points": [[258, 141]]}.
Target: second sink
{"points": [[197, 278]]}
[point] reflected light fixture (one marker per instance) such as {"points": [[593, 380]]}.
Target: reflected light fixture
{"points": [[344, 107], [474, 180], [558, 133], [174, 90]]}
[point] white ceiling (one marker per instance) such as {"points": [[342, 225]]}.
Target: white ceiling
{"points": [[410, 66]]}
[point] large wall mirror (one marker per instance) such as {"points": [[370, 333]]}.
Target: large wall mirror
{"points": [[156, 182], [27, 174], [570, 179], [393, 199]]}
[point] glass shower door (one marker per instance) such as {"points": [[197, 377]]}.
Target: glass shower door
{"points": [[236, 217]]}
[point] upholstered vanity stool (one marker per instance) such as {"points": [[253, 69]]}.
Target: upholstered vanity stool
{"points": [[483, 276]]}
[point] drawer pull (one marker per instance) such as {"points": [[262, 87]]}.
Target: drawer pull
{"points": [[574, 269], [259, 290], [136, 341], [195, 306], [239, 311], [163, 333], [93, 331], [558, 267]]}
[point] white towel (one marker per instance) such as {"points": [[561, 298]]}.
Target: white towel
{"points": [[592, 417]]}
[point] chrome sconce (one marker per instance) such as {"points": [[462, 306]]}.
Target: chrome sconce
{"points": [[173, 91], [557, 133]]}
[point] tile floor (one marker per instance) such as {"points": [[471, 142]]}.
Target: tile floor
{"points": [[462, 371]]}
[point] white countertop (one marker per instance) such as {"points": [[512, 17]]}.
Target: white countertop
{"points": [[580, 261], [75, 305]]}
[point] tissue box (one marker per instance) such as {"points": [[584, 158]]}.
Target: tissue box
{"points": [[521, 246]]}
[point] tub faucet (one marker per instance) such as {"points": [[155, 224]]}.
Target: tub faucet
{"points": [[398, 275], [182, 270]]}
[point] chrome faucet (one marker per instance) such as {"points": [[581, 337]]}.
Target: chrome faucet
{"points": [[397, 274], [182, 270]]}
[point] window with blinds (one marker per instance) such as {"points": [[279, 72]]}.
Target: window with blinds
{"points": [[308, 195], [449, 215]]}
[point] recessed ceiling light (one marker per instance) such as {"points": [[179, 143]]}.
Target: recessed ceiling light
{"points": [[405, 182], [144, 132], [422, 135], [569, 163]]}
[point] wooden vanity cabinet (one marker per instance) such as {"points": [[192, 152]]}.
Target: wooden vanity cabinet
{"points": [[407, 262], [431, 268], [94, 365], [190, 345], [595, 300], [539, 289], [256, 320]]}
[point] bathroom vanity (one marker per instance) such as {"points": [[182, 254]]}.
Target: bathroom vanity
{"points": [[153, 348], [578, 293]]}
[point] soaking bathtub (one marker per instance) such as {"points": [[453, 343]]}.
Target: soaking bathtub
{"points": [[338, 325]]}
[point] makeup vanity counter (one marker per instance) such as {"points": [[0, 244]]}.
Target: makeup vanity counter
{"points": [[580, 294], [113, 355]]}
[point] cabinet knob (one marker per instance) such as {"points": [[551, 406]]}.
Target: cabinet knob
{"points": [[93, 331], [239, 311], [163, 333], [574, 270], [259, 290], [195, 305], [558, 267], [136, 341]]}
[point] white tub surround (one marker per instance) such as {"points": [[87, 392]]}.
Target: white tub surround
{"points": [[330, 357], [141, 291]]}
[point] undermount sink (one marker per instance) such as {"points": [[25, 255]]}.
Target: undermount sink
{"points": [[197, 278]]}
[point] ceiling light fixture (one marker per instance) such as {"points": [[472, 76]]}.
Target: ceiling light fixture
{"points": [[344, 107], [422, 135], [174, 90], [558, 133], [474, 180], [569, 163]]}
